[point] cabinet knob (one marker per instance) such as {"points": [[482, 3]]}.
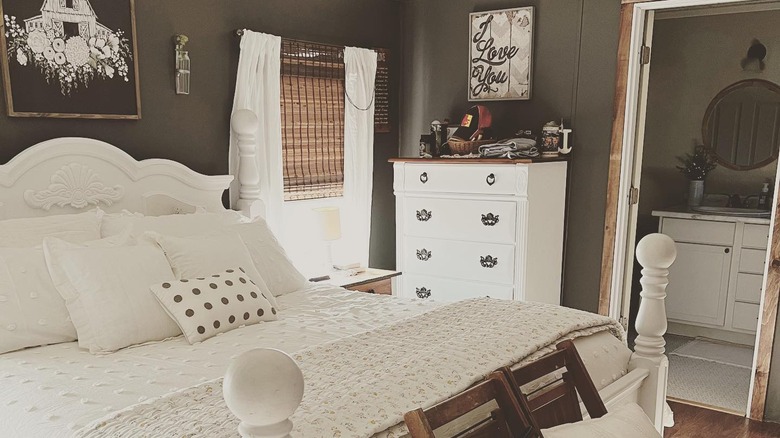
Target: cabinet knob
{"points": [[776, 263], [424, 255], [424, 215], [491, 179], [488, 261], [489, 219], [727, 250], [424, 177], [423, 292]]}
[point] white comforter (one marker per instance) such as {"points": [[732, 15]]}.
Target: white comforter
{"points": [[54, 391]]}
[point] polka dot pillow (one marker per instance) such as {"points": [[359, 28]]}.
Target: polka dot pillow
{"points": [[206, 306]]}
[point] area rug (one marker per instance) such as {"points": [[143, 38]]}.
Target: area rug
{"points": [[723, 353], [715, 377]]}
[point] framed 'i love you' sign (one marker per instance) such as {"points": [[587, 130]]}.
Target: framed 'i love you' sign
{"points": [[501, 54], [70, 58]]}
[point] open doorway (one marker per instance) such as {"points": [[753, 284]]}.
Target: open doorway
{"points": [[705, 80]]}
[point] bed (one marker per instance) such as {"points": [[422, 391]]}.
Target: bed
{"points": [[63, 390]]}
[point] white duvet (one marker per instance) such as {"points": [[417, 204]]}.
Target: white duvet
{"points": [[55, 390]]}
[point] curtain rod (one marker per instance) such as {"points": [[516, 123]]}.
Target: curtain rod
{"points": [[240, 33]]}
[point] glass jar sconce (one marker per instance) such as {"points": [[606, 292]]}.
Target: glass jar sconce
{"points": [[182, 65]]}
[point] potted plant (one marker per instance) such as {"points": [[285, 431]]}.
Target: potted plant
{"points": [[695, 167]]}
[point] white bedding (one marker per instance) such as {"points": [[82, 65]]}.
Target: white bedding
{"points": [[53, 391]]}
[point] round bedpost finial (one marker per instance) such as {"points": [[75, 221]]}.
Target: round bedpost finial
{"points": [[245, 122], [656, 253], [263, 388]]}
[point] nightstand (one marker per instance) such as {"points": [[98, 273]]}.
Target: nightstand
{"points": [[374, 281]]}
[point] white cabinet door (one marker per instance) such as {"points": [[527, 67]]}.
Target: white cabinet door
{"points": [[698, 284]]}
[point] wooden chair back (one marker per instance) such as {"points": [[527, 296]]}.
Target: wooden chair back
{"points": [[506, 421], [555, 402]]}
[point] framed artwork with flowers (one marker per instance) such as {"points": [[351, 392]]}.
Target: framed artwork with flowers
{"points": [[70, 59]]}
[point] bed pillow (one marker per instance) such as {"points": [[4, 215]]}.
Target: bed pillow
{"points": [[217, 303], [172, 225], [107, 293], [202, 256], [628, 420], [270, 259], [30, 232]]}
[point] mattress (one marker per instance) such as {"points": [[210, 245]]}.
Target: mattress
{"points": [[52, 391]]}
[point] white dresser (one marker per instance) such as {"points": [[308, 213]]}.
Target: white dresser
{"points": [[470, 228]]}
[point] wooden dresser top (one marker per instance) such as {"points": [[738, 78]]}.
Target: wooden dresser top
{"points": [[478, 160]]}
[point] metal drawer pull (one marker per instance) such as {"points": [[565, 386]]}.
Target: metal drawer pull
{"points": [[424, 254], [491, 179], [424, 177], [423, 292], [489, 219], [424, 215], [488, 261]]}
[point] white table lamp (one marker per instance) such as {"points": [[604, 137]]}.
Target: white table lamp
{"points": [[329, 219]]}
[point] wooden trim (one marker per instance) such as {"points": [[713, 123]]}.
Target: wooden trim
{"points": [[615, 158], [771, 291], [6, 72]]}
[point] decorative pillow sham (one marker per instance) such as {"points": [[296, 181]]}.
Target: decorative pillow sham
{"points": [[628, 420], [30, 232], [270, 259], [32, 312], [172, 225], [107, 293], [202, 256], [206, 306]]}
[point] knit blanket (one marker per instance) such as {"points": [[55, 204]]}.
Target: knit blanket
{"points": [[361, 386]]}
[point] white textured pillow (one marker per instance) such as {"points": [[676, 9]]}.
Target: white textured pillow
{"points": [[206, 306], [172, 225], [107, 293], [30, 232], [270, 259], [625, 421], [202, 256], [32, 313]]}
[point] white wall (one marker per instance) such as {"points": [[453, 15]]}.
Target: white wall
{"points": [[692, 60]]}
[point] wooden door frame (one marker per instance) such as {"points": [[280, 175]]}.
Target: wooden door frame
{"points": [[769, 302]]}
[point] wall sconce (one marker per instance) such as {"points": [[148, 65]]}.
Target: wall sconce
{"points": [[182, 65], [754, 61]]}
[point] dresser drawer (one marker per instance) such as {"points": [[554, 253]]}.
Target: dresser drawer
{"points": [[467, 178], [755, 236], [695, 231], [481, 221], [443, 289], [749, 287], [752, 261], [745, 316], [489, 262]]}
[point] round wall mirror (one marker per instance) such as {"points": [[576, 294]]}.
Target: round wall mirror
{"points": [[742, 124]]}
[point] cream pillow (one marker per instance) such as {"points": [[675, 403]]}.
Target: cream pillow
{"points": [[217, 303], [625, 421], [30, 232], [270, 259], [202, 256], [107, 293], [171, 225]]}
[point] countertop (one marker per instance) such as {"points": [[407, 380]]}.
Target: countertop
{"points": [[480, 160], [685, 213]]}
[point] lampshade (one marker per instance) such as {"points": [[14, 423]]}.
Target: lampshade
{"points": [[329, 219]]}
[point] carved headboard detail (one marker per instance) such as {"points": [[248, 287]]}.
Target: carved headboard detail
{"points": [[66, 175]]}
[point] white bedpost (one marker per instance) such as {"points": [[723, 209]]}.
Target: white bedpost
{"points": [[245, 124], [656, 253], [263, 388]]}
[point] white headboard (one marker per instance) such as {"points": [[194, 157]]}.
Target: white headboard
{"points": [[67, 175]]}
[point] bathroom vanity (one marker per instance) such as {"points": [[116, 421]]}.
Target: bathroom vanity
{"points": [[715, 285]]}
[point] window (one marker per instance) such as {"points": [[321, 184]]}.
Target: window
{"points": [[312, 120]]}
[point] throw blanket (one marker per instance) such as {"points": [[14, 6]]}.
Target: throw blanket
{"points": [[362, 385]]}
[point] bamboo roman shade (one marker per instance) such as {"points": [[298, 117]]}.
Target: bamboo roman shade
{"points": [[312, 120]]}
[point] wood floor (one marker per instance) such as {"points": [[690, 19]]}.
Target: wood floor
{"points": [[695, 422]]}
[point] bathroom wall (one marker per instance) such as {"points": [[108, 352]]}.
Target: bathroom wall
{"points": [[693, 59]]}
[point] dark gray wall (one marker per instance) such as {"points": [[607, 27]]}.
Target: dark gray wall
{"points": [[574, 78], [194, 129]]}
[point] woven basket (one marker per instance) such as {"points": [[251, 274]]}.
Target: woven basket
{"points": [[465, 147]]}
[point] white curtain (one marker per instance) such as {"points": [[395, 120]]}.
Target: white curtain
{"points": [[258, 87], [360, 69]]}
